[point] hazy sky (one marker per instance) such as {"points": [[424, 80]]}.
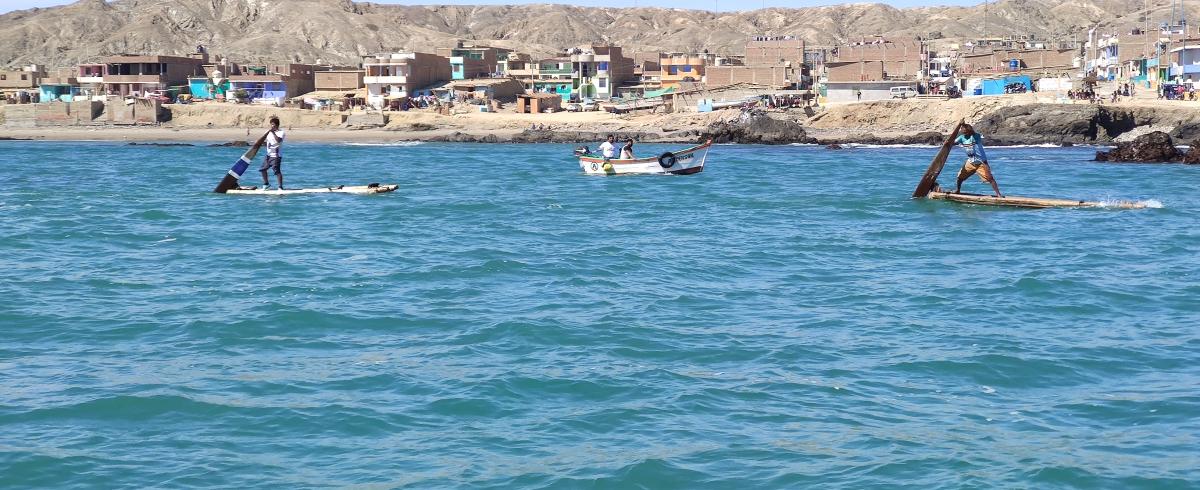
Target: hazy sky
{"points": [[723, 5]]}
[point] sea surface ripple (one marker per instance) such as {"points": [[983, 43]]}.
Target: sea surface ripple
{"points": [[787, 318]]}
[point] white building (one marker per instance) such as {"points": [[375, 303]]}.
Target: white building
{"points": [[396, 76], [598, 70]]}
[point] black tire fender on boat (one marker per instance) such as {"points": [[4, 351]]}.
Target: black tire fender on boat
{"points": [[666, 160]]}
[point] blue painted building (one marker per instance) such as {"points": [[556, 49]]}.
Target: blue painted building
{"points": [[267, 89], [203, 88], [55, 91]]}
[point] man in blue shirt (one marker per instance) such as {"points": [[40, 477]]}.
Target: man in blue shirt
{"points": [[977, 162]]}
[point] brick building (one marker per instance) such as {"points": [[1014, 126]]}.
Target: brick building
{"points": [[901, 59], [467, 60], [132, 74], [772, 61], [338, 80], [999, 61], [26, 78]]}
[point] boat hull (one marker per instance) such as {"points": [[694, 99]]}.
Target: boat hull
{"points": [[684, 162]]}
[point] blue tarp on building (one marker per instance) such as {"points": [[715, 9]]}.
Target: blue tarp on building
{"points": [[996, 86]]}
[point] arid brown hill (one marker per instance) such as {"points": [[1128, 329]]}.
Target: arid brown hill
{"points": [[341, 31]]}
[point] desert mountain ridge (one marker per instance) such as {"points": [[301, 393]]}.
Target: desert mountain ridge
{"points": [[343, 31]]}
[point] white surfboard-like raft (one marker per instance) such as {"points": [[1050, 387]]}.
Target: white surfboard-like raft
{"points": [[341, 189]]}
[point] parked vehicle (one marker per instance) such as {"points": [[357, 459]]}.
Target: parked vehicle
{"points": [[903, 92]]}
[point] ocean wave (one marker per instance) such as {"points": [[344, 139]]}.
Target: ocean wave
{"points": [[396, 144], [898, 145], [1124, 204]]}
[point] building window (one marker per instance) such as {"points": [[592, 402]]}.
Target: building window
{"points": [[672, 70], [687, 68], [457, 68], [23, 76], [603, 82], [3, 77], [603, 65]]}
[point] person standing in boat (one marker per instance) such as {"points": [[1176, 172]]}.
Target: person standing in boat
{"points": [[607, 149], [274, 159], [977, 162], [627, 150]]}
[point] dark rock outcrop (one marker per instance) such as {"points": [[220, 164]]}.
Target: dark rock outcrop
{"points": [[1193, 154], [1155, 147], [160, 144], [932, 138], [1039, 124], [833, 146], [234, 144], [757, 127]]}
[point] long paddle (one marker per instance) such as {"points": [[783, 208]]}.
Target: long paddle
{"points": [[939, 161], [230, 181]]}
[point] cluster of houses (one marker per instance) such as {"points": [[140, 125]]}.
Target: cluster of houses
{"points": [[401, 80], [1150, 58], [773, 66]]}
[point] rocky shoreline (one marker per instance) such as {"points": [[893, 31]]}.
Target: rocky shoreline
{"points": [[1002, 121]]}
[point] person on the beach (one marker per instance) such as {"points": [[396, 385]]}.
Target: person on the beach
{"points": [[977, 162], [274, 159], [627, 150], [607, 149]]}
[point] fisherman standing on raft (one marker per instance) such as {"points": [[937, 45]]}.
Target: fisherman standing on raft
{"points": [[977, 162]]}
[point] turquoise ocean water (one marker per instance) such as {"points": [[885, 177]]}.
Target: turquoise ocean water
{"points": [[787, 319]]}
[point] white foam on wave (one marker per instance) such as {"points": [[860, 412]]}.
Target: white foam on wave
{"points": [[165, 240], [355, 258], [396, 144], [803, 144], [1118, 203], [870, 145], [1039, 145]]}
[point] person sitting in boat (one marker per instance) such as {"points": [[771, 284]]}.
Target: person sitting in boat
{"points": [[274, 159], [627, 150], [607, 149], [977, 162]]}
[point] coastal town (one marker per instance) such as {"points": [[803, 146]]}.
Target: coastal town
{"points": [[772, 72]]}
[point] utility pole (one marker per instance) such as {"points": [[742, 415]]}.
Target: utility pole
{"points": [[985, 12]]}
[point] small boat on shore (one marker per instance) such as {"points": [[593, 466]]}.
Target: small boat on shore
{"points": [[682, 162]]}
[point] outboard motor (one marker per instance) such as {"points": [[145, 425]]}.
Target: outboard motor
{"points": [[582, 150]]}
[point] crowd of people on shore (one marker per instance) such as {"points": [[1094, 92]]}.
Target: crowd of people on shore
{"points": [[1177, 92]]}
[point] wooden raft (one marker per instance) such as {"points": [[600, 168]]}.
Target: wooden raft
{"points": [[1028, 202], [929, 189]]}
